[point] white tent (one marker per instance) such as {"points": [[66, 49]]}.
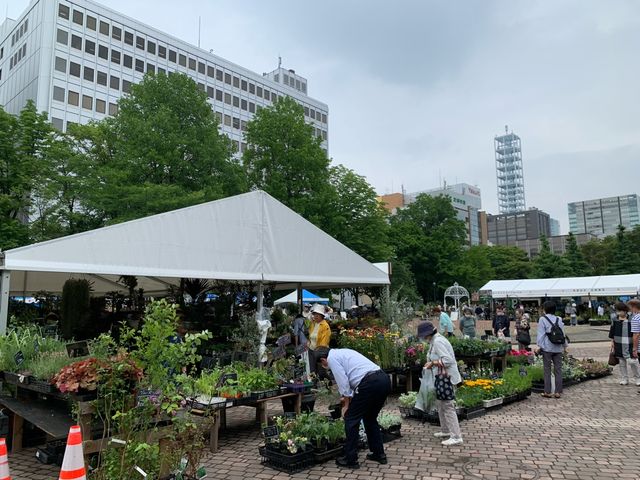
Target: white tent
{"points": [[596, 286], [307, 297], [249, 237]]}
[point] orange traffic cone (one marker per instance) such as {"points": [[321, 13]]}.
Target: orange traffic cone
{"points": [[4, 461], [73, 461]]}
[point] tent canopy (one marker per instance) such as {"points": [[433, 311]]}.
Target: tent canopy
{"points": [[307, 297], [250, 237], [596, 286]]}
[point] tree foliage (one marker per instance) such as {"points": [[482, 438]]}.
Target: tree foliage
{"points": [[549, 265]]}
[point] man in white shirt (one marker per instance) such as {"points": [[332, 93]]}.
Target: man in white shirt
{"points": [[364, 388]]}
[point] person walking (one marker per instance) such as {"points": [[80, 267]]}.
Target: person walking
{"points": [[467, 323], [445, 324], [441, 358], [573, 314], [622, 344], [634, 306], [552, 343], [364, 388], [319, 336]]}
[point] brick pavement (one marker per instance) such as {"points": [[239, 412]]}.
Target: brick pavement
{"points": [[591, 433]]}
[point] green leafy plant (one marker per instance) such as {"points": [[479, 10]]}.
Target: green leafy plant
{"points": [[408, 399], [387, 420]]}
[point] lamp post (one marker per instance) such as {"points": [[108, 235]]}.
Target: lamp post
{"points": [[434, 293]]}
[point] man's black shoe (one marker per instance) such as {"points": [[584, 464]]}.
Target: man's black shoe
{"points": [[342, 462], [381, 459]]}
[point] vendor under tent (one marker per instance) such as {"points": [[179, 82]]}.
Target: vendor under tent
{"points": [[250, 238], [307, 297], [595, 286]]}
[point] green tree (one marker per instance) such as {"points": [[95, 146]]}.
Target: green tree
{"points": [[625, 258], [403, 282], [549, 265], [24, 164], [162, 151], [598, 254], [474, 268], [508, 262], [285, 159], [357, 219], [430, 239], [574, 257]]}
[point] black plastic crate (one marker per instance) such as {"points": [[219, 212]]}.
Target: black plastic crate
{"points": [[287, 463], [326, 455]]}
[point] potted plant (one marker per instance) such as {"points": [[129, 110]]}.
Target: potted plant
{"points": [[390, 424]]}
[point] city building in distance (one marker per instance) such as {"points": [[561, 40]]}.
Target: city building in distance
{"points": [[509, 172], [557, 243], [509, 228], [76, 58], [465, 198], [554, 226], [602, 216]]}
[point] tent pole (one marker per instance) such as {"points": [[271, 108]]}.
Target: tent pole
{"points": [[264, 324], [5, 281], [299, 298]]}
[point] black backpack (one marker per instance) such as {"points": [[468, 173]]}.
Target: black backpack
{"points": [[555, 335]]}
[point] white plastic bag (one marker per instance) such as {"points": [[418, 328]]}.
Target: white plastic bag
{"points": [[426, 399]]}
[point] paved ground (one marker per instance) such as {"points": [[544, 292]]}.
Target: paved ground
{"points": [[589, 434]]}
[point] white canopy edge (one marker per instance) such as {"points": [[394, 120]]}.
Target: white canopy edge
{"points": [[595, 286]]}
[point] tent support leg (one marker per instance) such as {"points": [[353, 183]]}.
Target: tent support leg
{"points": [[299, 298], [5, 281]]}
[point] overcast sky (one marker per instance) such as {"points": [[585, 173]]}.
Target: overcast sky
{"points": [[418, 89]]}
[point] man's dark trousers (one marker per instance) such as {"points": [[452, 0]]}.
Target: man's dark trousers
{"points": [[365, 405]]}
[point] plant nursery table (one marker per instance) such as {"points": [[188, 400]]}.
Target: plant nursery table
{"points": [[261, 407]]}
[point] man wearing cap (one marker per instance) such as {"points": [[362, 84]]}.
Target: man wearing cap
{"points": [[364, 388], [319, 336]]}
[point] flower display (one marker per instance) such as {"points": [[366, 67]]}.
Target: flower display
{"points": [[380, 345]]}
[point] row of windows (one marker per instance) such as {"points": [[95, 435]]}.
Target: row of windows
{"points": [[18, 34], [87, 102], [19, 55], [291, 82], [161, 51]]}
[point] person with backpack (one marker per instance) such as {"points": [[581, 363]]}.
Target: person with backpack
{"points": [[552, 343]]}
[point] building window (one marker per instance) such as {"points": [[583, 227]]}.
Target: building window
{"points": [[63, 11], [103, 52], [126, 86], [100, 105], [227, 120], [151, 47], [211, 72], [115, 56], [73, 98], [116, 33], [243, 104], [259, 91], [274, 97], [236, 123], [227, 78], [192, 63], [91, 23], [101, 78], [252, 89], [61, 65], [1, 52], [306, 111], [201, 86], [162, 51], [161, 71], [113, 109], [210, 92], [252, 107], [104, 28], [140, 43], [76, 42], [219, 95], [78, 17], [172, 56], [62, 37], [57, 123], [236, 82], [114, 82], [266, 94], [58, 94], [219, 75], [90, 47], [128, 38], [139, 65], [151, 68], [236, 101], [227, 98], [89, 74], [312, 113], [127, 60], [87, 102], [201, 68], [74, 69], [244, 85], [324, 118], [243, 125]]}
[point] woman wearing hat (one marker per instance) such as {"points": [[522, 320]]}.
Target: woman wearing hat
{"points": [[467, 323], [441, 358], [319, 336]]}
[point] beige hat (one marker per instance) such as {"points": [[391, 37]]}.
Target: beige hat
{"points": [[318, 309]]}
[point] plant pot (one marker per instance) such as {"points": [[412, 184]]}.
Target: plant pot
{"points": [[392, 433], [510, 399], [308, 403], [470, 413], [335, 411], [285, 462], [321, 456], [494, 402], [16, 378]]}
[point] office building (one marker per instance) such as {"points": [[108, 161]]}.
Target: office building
{"points": [[76, 58], [557, 243], [509, 172], [465, 198], [509, 228], [602, 216], [554, 226]]}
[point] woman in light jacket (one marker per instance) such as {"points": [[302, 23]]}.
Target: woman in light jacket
{"points": [[441, 356]]}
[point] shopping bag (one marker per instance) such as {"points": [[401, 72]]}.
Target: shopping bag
{"points": [[444, 387], [426, 398]]}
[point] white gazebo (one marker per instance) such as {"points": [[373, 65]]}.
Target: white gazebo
{"points": [[250, 237], [457, 293]]}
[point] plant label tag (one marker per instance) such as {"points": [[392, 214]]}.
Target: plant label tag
{"points": [[271, 431], [141, 471], [523, 371], [284, 340], [118, 441], [290, 415], [229, 404], [19, 358]]}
